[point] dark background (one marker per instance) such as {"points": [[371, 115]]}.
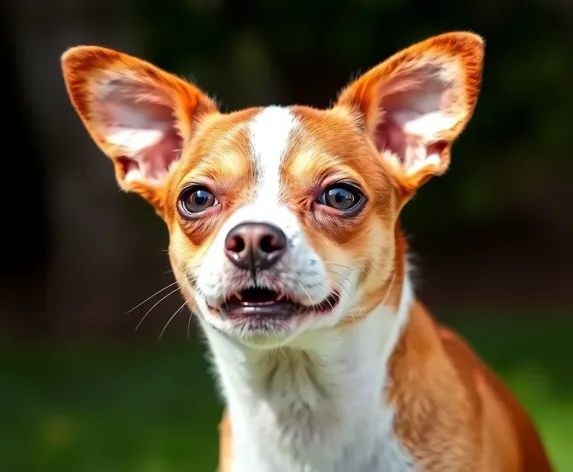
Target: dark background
{"points": [[80, 391]]}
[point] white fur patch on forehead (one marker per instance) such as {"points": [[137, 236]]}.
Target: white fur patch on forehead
{"points": [[270, 132]]}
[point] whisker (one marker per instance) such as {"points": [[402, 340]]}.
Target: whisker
{"points": [[149, 298], [344, 276], [335, 264], [190, 272], [149, 311], [340, 286], [171, 319], [189, 324], [376, 269], [307, 294], [331, 305], [192, 268]]}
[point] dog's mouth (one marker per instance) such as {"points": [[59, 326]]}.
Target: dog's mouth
{"points": [[264, 302]]}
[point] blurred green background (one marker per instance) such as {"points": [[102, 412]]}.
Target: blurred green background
{"points": [[80, 391]]}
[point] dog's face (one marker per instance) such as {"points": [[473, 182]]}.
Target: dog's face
{"points": [[278, 227], [282, 220]]}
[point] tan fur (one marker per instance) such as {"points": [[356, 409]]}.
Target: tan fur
{"points": [[452, 414], [225, 444], [88, 68], [450, 50]]}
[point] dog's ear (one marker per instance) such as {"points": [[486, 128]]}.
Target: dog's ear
{"points": [[140, 116], [416, 103]]}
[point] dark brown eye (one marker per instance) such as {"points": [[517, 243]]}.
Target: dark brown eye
{"points": [[195, 200], [342, 197]]}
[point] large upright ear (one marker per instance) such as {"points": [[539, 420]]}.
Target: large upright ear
{"points": [[140, 116], [415, 104]]}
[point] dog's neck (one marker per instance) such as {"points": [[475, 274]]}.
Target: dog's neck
{"points": [[315, 409]]}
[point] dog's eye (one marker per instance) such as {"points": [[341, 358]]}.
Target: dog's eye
{"points": [[195, 200], [342, 197]]}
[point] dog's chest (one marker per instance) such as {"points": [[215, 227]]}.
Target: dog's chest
{"points": [[377, 453], [315, 410], [301, 422], [317, 447]]}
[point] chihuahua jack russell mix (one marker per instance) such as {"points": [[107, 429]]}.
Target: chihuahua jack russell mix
{"points": [[285, 242]]}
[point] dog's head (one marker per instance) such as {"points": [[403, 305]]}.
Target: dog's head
{"points": [[282, 220]]}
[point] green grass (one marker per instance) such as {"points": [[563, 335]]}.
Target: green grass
{"points": [[155, 408]]}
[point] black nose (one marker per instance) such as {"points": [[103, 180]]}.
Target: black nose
{"points": [[255, 246]]}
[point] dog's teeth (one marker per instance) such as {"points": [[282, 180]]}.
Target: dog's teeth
{"points": [[238, 295], [280, 297]]}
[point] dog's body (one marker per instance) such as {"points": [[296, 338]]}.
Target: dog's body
{"points": [[393, 393], [285, 241]]}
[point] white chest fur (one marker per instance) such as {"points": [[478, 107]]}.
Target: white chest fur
{"points": [[319, 409]]}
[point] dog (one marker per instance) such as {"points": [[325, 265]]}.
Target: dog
{"points": [[286, 243]]}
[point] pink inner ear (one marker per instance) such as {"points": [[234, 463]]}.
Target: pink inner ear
{"points": [[139, 119], [416, 107], [389, 136]]}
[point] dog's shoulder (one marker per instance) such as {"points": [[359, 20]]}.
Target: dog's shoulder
{"points": [[452, 412], [498, 403]]}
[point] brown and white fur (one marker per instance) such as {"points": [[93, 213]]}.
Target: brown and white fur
{"points": [[369, 383]]}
